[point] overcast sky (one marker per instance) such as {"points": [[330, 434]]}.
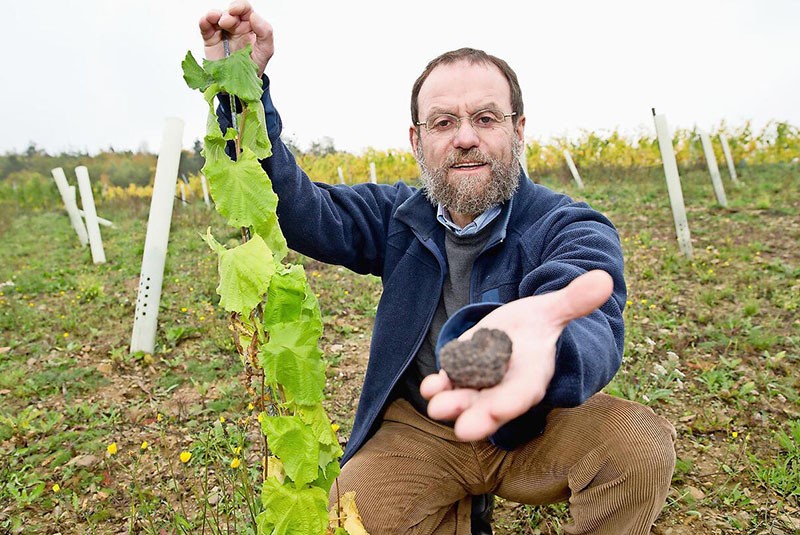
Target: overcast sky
{"points": [[90, 74]]}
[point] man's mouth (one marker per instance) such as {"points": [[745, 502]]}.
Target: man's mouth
{"points": [[468, 165]]}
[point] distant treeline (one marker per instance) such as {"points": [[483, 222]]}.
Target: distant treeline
{"points": [[776, 142]]}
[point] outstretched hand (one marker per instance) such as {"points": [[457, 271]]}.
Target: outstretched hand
{"points": [[534, 325], [243, 27]]}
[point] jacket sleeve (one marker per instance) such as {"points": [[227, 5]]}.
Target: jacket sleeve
{"points": [[334, 224]]}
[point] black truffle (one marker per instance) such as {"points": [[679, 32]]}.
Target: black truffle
{"points": [[479, 362]]}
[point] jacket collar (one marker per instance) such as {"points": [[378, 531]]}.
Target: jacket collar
{"points": [[418, 213]]}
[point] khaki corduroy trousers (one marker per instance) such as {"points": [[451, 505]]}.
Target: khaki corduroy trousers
{"points": [[612, 459]]}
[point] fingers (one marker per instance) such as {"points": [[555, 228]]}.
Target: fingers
{"points": [[209, 24], [582, 296], [434, 384]]}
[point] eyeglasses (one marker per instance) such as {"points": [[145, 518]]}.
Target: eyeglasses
{"points": [[443, 123]]}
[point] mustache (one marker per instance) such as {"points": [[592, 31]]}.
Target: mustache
{"points": [[463, 156]]}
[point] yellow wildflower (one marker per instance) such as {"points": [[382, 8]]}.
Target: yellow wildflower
{"points": [[145, 445], [185, 456], [235, 463], [56, 488], [335, 427], [250, 406], [735, 434], [159, 417], [222, 419], [237, 450], [112, 448]]}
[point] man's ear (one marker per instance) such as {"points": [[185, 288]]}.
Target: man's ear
{"points": [[520, 129], [413, 138]]}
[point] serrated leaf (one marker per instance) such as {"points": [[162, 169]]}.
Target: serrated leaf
{"points": [[292, 511], [194, 75], [292, 358], [328, 473], [270, 230], [242, 191], [244, 274], [293, 442], [254, 130], [237, 75], [287, 290]]}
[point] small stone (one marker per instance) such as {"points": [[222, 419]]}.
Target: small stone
{"points": [[480, 362], [695, 493]]}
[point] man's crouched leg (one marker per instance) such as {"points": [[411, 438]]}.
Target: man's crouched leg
{"points": [[410, 478], [612, 459]]}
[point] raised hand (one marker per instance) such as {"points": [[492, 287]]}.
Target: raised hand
{"points": [[243, 27], [534, 325]]}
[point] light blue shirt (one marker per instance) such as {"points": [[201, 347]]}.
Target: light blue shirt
{"points": [[475, 226]]}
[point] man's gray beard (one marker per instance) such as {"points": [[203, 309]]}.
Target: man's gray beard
{"points": [[469, 195]]}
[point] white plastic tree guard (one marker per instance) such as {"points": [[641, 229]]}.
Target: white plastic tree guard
{"points": [[145, 320], [372, 176], [726, 149], [68, 197], [183, 192], [573, 169], [713, 168], [673, 184], [100, 220], [92, 226], [341, 175], [205, 190]]}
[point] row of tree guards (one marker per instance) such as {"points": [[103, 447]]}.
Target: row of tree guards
{"points": [[87, 223]]}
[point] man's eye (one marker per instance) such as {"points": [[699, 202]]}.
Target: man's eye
{"points": [[443, 123], [486, 118]]}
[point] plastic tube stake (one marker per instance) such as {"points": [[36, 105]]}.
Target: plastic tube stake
{"points": [[673, 184], [573, 169], [70, 204], [372, 176], [726, 149], [148, 299], [205, 190], [713, 168], [92, 226]]}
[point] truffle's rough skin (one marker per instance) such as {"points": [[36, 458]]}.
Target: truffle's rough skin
{"points": [[479, 362]]}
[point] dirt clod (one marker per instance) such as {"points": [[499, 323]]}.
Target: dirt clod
{"points": [[479, 362]]}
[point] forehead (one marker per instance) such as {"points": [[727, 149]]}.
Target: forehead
{"points": [[464, 87]]}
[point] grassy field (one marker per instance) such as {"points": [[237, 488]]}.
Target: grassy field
{"points": [[95, 439]]}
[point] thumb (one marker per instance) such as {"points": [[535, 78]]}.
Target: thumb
{"points": [[582, 296]]}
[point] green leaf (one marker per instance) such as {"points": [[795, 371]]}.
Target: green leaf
{"points": [[287, 290], [237, 75], [329, 449], [194, 75], [292, 511], [244, 273], [293, 442], [270, 230], [292, 358], [254, 130], [242, 191]]}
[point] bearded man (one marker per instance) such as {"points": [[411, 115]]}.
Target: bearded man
{"points": [[478, 245]]}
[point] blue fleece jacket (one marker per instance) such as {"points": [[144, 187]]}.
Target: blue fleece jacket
{"points": [[541, 241]]}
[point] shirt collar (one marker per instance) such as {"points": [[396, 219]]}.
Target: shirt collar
{"points": [[472, 228]]}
